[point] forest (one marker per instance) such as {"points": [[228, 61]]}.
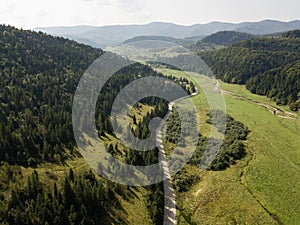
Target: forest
{"points": [[39, 75], [232, 148], [227, 38], [266, 65], [83, 199]]}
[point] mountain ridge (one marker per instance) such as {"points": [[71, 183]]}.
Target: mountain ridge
{"points": [[103, 36]]}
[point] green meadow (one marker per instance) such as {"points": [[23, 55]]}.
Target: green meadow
{"points": [[263, 187]]}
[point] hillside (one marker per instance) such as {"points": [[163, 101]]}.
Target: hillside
{"points": [[292, 34], [44, 179], [177, 41], [112, 35], [268, 66], [37, 73], [227, 38]]}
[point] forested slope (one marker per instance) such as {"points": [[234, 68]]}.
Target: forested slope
{"points": [[268, 66], [227, 38], [38, 79], [38, 75]]}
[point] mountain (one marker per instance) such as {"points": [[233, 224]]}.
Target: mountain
{"points": [[112, 35], [267, 66], [269, 27], [75, 30]]}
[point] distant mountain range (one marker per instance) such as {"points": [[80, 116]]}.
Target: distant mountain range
{"points": [[113, 35]]}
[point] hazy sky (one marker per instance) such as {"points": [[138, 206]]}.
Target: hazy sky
{"points": [[33, 13]]}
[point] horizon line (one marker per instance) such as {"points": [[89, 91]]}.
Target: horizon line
{"points": [[165, 22]]}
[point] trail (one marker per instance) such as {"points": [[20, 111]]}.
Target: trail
{"points": [[271, 109], [169, 192]]}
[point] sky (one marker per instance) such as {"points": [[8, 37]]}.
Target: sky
{"points": [[29, 14]]}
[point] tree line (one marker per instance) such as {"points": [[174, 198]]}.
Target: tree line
{"points": [[267, 66], [226, 38]]}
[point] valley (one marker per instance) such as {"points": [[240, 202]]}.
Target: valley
{"points": [[256, 189], [253, 176], [250, 192]]}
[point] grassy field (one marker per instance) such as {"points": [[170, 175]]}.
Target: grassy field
{"points": [[240, 90], [264, 187], [273, 175], [267, 178]]}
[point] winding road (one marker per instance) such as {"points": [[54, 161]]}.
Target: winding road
{"points": [[169, 192]]}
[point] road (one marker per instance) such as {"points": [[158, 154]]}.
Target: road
{"points": [[169, 197]]}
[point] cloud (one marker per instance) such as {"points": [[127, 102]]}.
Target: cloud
{"points": [[102, 2], [7, 9], [129, 5]]}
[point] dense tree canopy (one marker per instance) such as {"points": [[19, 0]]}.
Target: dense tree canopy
{"points": [[292, 34], [268, 66], [83, 199], [227, 38], [38, 74], [232, 147]]}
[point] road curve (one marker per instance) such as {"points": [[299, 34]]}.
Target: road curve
{"points": [[169, 192]]}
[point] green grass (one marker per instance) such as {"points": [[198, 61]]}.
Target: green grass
{"points": [[240, 90], [266, 181], [274, 173], [219, 198], [140, 110], [141, 54], [199, 101], [135, 207]]}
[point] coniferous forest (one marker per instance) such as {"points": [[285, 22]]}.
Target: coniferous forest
{"points": [[267, 66], [39, 75]]}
